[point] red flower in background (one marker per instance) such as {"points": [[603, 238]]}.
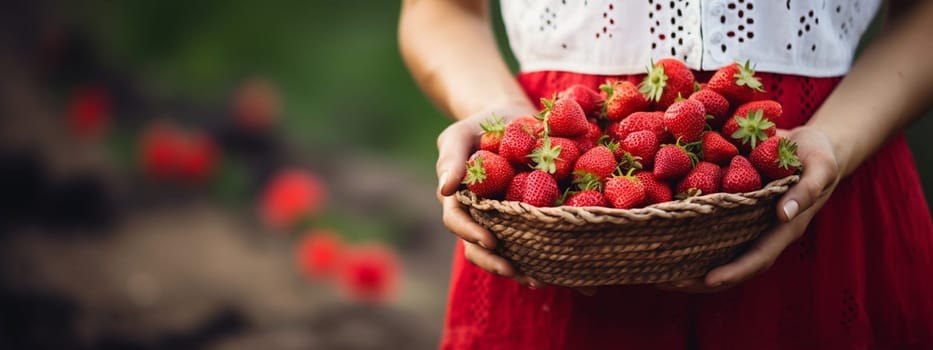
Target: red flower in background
{"points": [[169, 153], [370, 273], [319, 254], [197, 157], [290, 196], [158, 151], [256, 104], [88, 112]]}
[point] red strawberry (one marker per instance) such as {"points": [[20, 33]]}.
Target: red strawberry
{"points": [[716, 149], [638, 121], [775, 158], [89, 112], [735, 82], [587, 198], [289, 197], [599, 161], [591, 138], [703, 179], [715, 106], [672, 162], [370, 273], [493, 129], [666, 80], [747, 131], [623, 99], [517, 143], [656, 191], [740, 176], [318, 254], [685, 120], [516, 187], [159, 151], [540, 189], [532, 124], [588, 99], [625, 192], [564, 117], [639, 148], [555, 155], [770, 110], [488, 174]]}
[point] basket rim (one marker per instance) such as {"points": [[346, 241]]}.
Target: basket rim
{"points": [[691, 206]]}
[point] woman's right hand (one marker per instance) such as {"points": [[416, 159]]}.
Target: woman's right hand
{"points": [[454, 146]]}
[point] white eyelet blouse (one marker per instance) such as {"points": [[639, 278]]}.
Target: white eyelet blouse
{"points": [[813, 38]]}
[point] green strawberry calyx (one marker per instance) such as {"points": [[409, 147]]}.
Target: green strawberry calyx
{"points": [[654, 83], [475, 171], [752, 128], [493, 125], [746, 77], [545, 157], [586, 181], [691, 149], [787, 154]]}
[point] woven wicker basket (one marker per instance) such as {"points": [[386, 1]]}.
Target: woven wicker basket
{"points": [[576, 247]]}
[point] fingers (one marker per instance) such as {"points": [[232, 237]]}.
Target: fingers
{"points": [[461, 224], [488, 261], [820, 173], [453, 147]]}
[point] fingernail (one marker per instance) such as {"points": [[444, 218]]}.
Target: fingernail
{"points": [[790, 209], [441, 181], [481, 244]]}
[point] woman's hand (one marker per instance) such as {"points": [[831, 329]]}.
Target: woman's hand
{"points": [[821, 173], [454, 146]]}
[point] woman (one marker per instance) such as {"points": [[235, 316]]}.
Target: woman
{"points": [[845, 268]]}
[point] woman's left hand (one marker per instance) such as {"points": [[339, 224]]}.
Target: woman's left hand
{"points": [[795, 210]]}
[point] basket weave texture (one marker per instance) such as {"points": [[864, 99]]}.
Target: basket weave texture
{"points": [[594, 246]]}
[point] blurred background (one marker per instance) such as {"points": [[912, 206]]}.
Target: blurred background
{"points": [[221, 175]]}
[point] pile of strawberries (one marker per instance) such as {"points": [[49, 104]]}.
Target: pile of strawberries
{"points": [[630, 146]]}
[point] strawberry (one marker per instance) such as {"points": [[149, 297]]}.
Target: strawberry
{"points": [[666, 80], [516, 187], [588, 196], [775, 158], [625, 191], [488, 174], [588, 99], [716, 149], [318, 254], [770, 110], [256, 105], [672, 162], [623, 99], [715, 105], [703, 179], [685, 120], [533, 125], [639, 148], [517, 142], [591, 138], [638, 121], [555, 155], [656, 191], [735, 82], [370, 273], [292, 195], [540, 189], [196, 157], [747, 131], [740, 176], [493, 129], [599, 161], [159, 151], [564, 117]]}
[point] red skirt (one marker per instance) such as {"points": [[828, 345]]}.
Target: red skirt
{"points": [[858, 279]]}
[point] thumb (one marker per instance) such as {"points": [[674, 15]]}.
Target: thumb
{"points": [[453, 146]]}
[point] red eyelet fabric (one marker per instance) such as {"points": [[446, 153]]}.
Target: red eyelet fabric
{"points": [[858, 279]]}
